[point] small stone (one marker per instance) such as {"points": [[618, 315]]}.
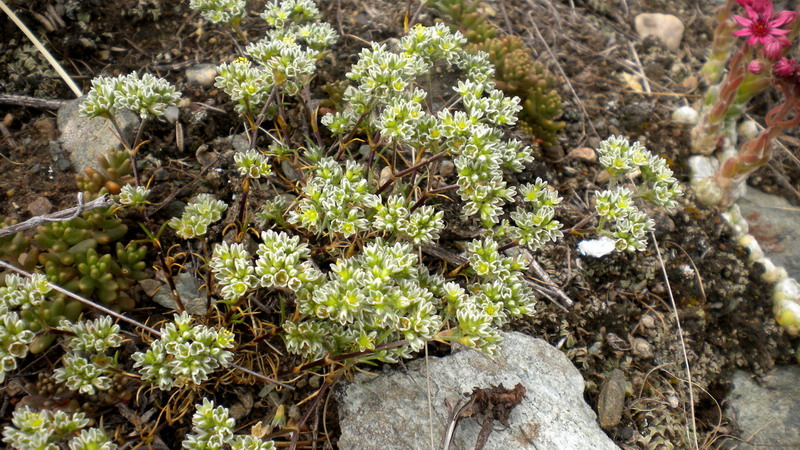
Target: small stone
{"points": [[447, 168], [642, 348], [685, 115], [702, 166], [665, 27], [104, 55], [585, 154], [648, 321], [172, 114], [747, 130], [611, 402], [202, 75], [386, 175], [40, 207], [8, 120]]}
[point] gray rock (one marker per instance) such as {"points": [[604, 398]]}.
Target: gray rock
{"points": [[202, 75], [85, 140], [60, 160], [391, 411], [765, 410], [776, 226], [665, 27]]}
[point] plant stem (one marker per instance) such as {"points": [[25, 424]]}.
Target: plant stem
{"points": [[410, 170]]}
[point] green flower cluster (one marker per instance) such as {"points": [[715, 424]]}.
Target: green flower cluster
{"points": [[281, 62], [86, 367], [252, 163], [147, 96], [380, 296], [630, 225], [219, 11], [282, 264], [387, 101], [420, 227], [336, 199], [131, 195], [482, 308], [30, 429], [616, 205], [231, 266], [18, 294], [534, 228], [184, 354], [212, 429], [201, 212], [620, 158]]}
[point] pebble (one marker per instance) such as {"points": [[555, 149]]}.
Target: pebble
{"points": [[202, 75], [685, 115], [585, 154], [447, 168], [8, 120], [40, 206], [665, 27], [747, 130], [611, 402]]}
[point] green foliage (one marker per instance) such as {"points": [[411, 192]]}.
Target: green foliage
{"points": [[517, 72], [147, 96], [616, 206], [86, 367], [30, 429], [201, 212], [212, 429], [219, 11], [184, 354], [113, 173]]}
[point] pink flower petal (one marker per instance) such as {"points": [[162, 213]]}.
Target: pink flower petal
{"points": [[742, 21], [743, 32], [784, 18]]}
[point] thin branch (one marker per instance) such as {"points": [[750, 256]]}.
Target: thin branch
{"points": [[33, 102], [60, 216]]}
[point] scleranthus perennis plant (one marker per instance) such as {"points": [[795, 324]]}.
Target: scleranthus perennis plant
{"points": [[212, 428], [32, 429], [185, 354], [86, 367], [620, 220]]}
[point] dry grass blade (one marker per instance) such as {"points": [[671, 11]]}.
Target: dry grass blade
{"points": [[50, 58], [693, 437]]}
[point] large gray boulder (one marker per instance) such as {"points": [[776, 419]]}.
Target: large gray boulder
{"points": [[86, 139], [391, 411], [766, 409]]}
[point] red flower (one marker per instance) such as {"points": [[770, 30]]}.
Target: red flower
{"points": [[760, 25]]}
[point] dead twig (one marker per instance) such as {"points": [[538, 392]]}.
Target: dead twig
{"points": [[60, 216], [32, 102]]}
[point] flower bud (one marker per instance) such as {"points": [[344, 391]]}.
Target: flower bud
{"points": [[784, 68], [755, 67]]}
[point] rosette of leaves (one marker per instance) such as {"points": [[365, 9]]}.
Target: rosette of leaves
{"points": [[30, 429], [212, 427], [113, 173], [86, 367], [518, 73]]}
